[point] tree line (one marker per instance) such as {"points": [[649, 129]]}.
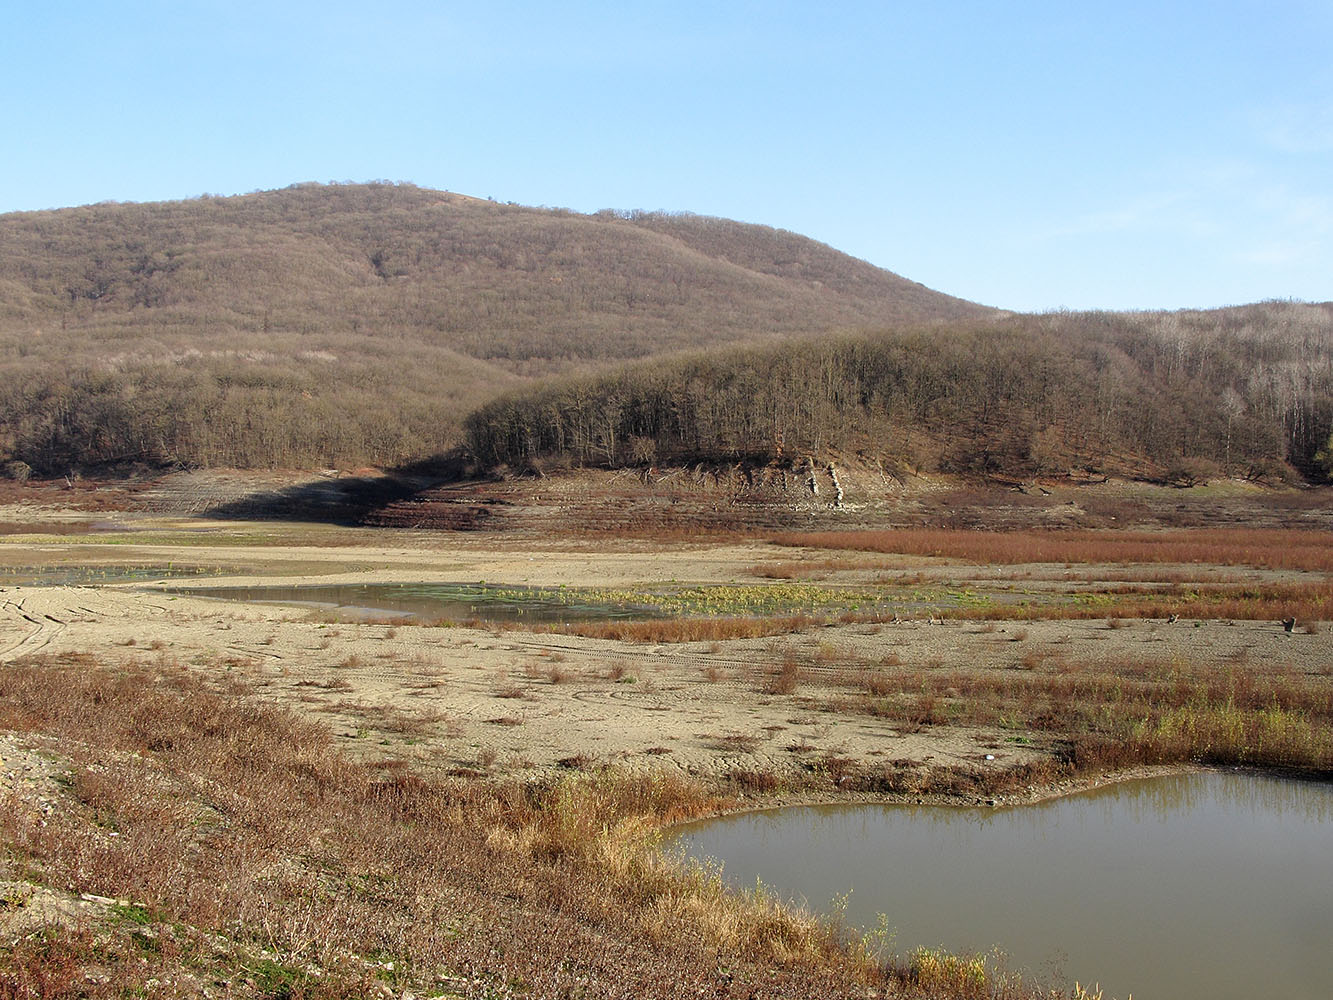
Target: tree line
{"points": [[357, 324], [1245, 391], [360, 324]]}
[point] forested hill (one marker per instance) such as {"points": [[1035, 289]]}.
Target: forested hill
{"points": [[357, 323], [1176, 396]]}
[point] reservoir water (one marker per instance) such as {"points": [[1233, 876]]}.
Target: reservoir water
{"points": [[1209, 885], [432, 601]]}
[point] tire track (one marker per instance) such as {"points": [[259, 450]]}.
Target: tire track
{"points": [[48, 622], [37, 638]]}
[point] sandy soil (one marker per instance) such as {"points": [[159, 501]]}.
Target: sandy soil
{"points": [[486, 701]]}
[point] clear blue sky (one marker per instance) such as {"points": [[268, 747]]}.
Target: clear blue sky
{"points": [[1026, 155]]}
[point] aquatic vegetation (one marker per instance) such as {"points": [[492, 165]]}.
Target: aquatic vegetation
{"points": [[742, 599], [47, 575], [1106, 714]]}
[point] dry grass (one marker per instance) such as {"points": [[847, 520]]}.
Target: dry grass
{"points": [[1110, 714], [392, 719], [1288, 549], [251, 852], [1253, 602], [687, 629]]}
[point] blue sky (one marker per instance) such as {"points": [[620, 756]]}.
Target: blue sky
{"points": [[1027, 155]]}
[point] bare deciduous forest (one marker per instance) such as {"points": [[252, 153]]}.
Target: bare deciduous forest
{"points": [[379, 324], [1180, 396], [357, 324]]}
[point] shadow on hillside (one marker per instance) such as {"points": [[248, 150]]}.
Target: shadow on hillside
{"points": [[346, 500], [343, 501]]}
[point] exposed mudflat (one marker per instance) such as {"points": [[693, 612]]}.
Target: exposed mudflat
{"points": [[475, 699], [481, 700]]}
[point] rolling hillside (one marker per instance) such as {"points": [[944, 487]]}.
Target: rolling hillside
{"points": [[1176, 397], [357, 324]]}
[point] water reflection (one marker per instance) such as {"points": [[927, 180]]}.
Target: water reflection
{"points": [[1205, 885]]}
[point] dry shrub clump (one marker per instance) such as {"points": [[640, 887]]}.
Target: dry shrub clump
{"points": [[734, 742], [508, 689], [879, 685], [786, 678], [245, 849], [555, 673]]}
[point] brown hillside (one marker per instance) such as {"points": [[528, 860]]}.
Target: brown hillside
{"points": [[356, 323], [1176, 397], [491, 281]]}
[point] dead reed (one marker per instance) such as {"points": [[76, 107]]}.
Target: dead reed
{"points": [[1290, 549], [1109, 714], [1312, 601]]}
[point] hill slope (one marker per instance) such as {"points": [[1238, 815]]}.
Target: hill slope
{"points": [[1159, 395], [357, 323]]}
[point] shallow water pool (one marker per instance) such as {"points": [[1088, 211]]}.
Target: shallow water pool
{"points": [[433, 601], [1215, 885]]}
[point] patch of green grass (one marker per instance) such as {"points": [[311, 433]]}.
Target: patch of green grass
{"points": [[274, 980], [132, 913]]}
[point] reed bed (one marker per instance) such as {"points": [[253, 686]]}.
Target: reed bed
{"points": [[1284, 549], [1116, 713], [1306, 602]]}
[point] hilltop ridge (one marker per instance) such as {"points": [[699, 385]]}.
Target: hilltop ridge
{"points": [[378, 325], [494, 281], [354, 324]]}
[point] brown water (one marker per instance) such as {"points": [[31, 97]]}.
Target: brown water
{"points": [[1210, 885]]}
